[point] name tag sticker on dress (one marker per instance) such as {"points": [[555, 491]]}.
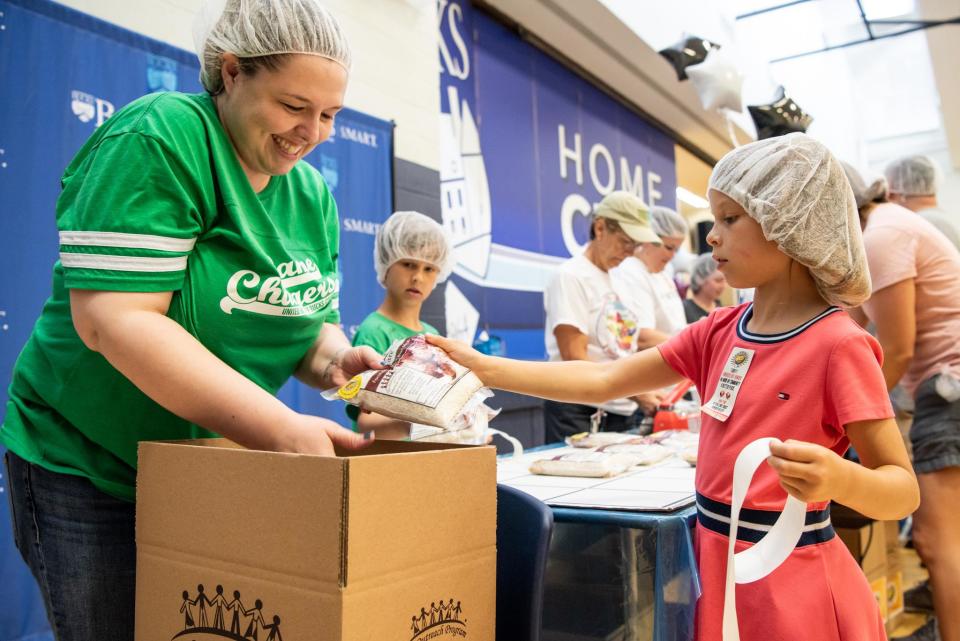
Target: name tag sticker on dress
{"points": [[724, 396]]}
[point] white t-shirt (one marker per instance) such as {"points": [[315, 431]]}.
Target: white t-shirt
{"points": [[649, 296], [580, 295]]}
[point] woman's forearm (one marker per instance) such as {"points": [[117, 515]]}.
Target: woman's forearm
{"points": [[315, 366], [174, 369]]}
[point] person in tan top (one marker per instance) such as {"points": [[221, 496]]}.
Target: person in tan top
{"points": [[915, 306]]}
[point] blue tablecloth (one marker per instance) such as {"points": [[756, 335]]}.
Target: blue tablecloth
{"points": [[621, 575]]}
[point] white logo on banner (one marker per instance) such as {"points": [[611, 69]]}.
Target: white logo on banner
{"points": [[281, 295], [87, 107]]}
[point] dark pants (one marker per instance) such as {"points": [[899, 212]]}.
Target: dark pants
{"points": [[79, 543], [566, 419]]}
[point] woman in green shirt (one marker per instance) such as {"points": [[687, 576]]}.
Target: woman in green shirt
{"points": [[197, 273], [412, 254]]}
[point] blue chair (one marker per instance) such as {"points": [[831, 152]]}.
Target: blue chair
{"points": [[524, 527]]}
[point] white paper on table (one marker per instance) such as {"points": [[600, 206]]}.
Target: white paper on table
{"points": [[572, 482], [650, 483], [545, 494], [636, 500]]}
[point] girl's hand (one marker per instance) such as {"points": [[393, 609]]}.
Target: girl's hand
{"points": [[809, 472], [349, 362], [459, 352]]}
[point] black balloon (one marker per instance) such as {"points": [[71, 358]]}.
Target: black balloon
{"points": [[688, 52], [780, 117]]}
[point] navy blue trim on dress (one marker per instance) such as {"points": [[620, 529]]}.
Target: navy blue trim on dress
{"points": [[747, 335], [708, 510]]}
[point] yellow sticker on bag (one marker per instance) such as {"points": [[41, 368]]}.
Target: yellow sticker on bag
{"points": [[351, 389]]}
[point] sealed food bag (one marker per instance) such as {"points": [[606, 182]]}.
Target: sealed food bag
{"points": [[638, 453], [599, 439], [590, 464], [420, 384]]}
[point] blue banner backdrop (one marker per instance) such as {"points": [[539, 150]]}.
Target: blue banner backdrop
{"points": [[62, 73], [528, 148]]}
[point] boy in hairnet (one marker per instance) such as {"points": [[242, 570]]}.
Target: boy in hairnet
{"points": [[412, 254], [791, 365]]}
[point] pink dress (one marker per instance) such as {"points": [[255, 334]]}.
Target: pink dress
{"points": [[805, 384]]}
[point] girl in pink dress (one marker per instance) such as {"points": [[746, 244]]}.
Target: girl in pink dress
{"points": [[791, 365]]}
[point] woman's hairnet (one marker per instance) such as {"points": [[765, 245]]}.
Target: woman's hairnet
{"points": [[252, 28], [410, 235], [703, 268], [796, 190], [864, 194], [913, 176], [667, 223]]}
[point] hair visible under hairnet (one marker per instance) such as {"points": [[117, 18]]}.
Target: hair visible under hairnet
{"points": [[253, 28], [667, 223], [797, 191], [410, 235], [703, 266], [864, 194], [913, 176]]}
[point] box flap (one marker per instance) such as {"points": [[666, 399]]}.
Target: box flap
{"points": [[409, 505], [278, 512]]}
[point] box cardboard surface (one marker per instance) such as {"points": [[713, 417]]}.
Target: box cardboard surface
{"points": [[894, 596], [394, 543], [867, 544]]}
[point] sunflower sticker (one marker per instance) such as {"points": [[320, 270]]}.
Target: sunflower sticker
{"points": [[739, 358], [352, 388]]}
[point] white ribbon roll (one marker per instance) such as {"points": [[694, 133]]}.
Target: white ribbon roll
{"points": [[766, 555]]}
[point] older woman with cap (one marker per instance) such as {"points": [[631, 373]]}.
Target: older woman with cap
{"points": [[792, 369], [586, 319], [913, 181], [197, 273], [707, 283], [915, 307], [642, 280]]}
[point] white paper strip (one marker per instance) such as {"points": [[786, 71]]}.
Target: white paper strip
{"points": [[766, 555]]}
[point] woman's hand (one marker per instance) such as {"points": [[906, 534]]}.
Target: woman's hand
{"points": [[314, 435], [349, 362], [809, 472], [459, 352]]}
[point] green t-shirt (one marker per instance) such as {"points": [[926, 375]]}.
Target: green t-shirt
{"points": [[157, 201], [379, 332]]}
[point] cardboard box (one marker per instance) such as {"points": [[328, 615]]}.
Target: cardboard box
{"points": [[867, 544], [397, 542], [894, 587], [878, 585]]}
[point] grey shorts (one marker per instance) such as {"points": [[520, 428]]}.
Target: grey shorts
{"points": [[935, 433]]}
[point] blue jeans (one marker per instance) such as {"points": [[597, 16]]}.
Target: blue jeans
{"points": [[79, 544]]}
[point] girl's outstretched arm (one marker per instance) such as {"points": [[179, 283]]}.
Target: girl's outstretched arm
{"points": [[570, 381], [883, 487]]}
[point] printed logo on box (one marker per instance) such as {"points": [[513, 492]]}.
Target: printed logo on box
{"points": [[443, 621], [213, 613]]}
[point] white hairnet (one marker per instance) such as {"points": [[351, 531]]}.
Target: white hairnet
{"points": [[410, 235], [703, 267], [667, 223], [252, 28], [875, 192], [796, 190], [913, 176]]}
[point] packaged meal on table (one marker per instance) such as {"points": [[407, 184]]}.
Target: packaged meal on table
{"points": [[419, 384], [590, 464]]}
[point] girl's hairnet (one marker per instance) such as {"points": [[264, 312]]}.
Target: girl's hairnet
{"points": [[796, 190], [410, 235], [252, 28], [667, 223], [864, 194], [913, 176], [703, 267]]}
